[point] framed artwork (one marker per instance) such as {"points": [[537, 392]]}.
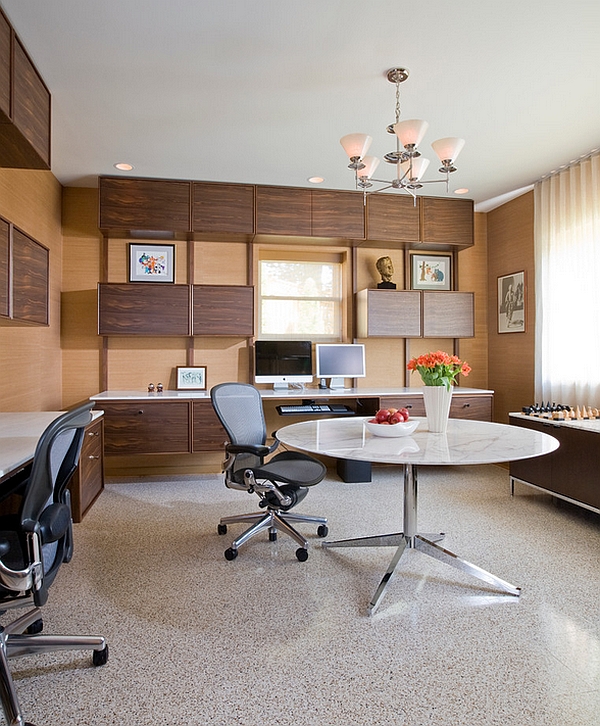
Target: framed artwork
{"points": [[151, 263], [511, 303], [430, 272], [191, 378]]}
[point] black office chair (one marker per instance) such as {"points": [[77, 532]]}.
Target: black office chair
{"points": [[281, 482], [34, 543]]}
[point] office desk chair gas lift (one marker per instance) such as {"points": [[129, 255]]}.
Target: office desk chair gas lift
{"points": [[281, 482], [33, 545]]}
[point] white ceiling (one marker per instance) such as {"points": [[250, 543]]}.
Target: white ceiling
{"points": [[261, 91]]}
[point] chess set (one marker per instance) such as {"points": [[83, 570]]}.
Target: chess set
{"points": [[561, 412]]}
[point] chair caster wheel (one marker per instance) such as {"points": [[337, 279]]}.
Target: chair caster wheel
{"points": [[231, 554], [100, 657], [35, 627], [272, 536], [302, 554], [221, 529], [322, 530]]}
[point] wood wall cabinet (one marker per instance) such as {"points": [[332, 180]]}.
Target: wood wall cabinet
{"points": [[144, 204], [569, 472], [447, 222], [141, 427], [392, 218], [144, 308], [223, 310], [88, 481], [223, 208], [448, 314], [30, 279], [283, 211], [388, 314], [24, 106], [207, 432], [4, 268], [337, 214]]}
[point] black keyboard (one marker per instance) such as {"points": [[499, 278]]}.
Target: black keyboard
{"points": [[313, 408]]}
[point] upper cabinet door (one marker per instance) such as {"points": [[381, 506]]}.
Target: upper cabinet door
{"points": [[283, 210], [144, 204], [223, 208], [448, 314], [30, 279], [223, 310], [338, 214], [5, 34], [392, 218], [447, 221], [4, 266]]}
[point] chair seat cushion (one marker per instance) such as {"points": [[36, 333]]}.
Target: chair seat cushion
{"points": [[292, 467]]}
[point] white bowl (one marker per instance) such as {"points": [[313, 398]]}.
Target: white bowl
{"points": [[405, 428]]}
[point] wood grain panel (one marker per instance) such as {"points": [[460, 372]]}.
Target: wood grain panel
{"points": [[283, 210], [337, 214], [143, 309], [5, 65], [30, 284], [448, 314], [208, 434], [31, 104], [392, 217], [144, 204], [447, 221], [223, 310], [223, 208], [4, 267], [139, 428], [388, 313]]}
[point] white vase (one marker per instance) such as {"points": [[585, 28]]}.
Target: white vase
{"points": [[437, 407]]}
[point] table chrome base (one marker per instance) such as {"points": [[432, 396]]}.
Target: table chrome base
{"points": [[425, 543]]}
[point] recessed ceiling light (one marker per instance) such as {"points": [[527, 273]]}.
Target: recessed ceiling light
{"points": [[316, 179], [464, 190], [122, 166]]}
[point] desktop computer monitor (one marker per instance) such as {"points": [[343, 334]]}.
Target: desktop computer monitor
{"points": [[338, 361], [282, 362]]}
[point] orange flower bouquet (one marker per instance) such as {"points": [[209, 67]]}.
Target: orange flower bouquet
{"points": [[439, 368]]}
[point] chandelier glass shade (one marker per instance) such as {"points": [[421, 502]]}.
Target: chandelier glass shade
{"points": [[410, 165]]}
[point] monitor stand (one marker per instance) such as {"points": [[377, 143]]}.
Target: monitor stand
{"points": [[280, 386], [337, 384]]}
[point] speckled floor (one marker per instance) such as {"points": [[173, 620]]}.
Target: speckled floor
{"points": [[265, 639]]}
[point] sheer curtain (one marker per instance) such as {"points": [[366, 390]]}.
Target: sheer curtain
{"points": [[567, 285]]}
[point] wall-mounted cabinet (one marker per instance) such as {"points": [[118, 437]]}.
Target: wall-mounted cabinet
{"points": [[414, 314], [156, 205], [223, 310], [24, 106], [337, 214], [283, 211], [223, 208], [144, 308], [447, 222], [393, 218], [24, 277]]}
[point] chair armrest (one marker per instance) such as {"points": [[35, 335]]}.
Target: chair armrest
{"points": [[256, 449]]}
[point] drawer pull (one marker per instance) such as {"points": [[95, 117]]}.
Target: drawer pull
{"points": [[466, 405], [141, 411], [93, 433], [93, 457]]}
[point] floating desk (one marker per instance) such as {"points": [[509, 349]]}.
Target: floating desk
{"points": [[465, 442]]}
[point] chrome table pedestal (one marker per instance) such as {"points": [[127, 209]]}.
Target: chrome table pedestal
{"points": [[425, 543]]}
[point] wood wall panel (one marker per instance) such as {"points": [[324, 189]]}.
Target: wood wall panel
{"points": [[511, 355], [4, 265]]}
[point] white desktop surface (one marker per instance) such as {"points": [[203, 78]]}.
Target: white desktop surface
{"points": [[465, 442]]}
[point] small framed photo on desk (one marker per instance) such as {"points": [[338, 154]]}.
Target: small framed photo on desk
{"points": [[191, 378]]}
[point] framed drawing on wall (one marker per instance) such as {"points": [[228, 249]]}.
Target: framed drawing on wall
{"points": [[151, 263], [431, 272], [511, 303], [191, 378]]}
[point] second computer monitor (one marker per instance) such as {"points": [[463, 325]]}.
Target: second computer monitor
{"points": [[338, 361]]}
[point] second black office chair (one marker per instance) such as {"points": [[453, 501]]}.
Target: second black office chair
{"points": [[281, 482]]}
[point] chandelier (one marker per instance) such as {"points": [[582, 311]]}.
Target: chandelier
{"points": [[410, 165]]}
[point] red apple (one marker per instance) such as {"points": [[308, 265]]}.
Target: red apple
{"points": [[405, 413], [382, 415], [396, 417]]}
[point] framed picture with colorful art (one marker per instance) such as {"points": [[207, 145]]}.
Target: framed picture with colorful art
{"points": [[430, 272], [151, 263]]}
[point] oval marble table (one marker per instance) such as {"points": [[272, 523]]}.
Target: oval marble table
{"points": [[465, 442]]}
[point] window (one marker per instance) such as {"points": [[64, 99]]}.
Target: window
{"points": [[300, 298]]}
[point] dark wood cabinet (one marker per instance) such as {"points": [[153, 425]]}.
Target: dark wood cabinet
{"points": [[88, 481], [223, 310], [223, 208], [30, 279], [146, 427], [144, 205], [477, 406], [337, 214], [392, 218], [283, 210], [208, 434], [4, 268], [447, 222], [448, 314], [24, 106], [571, 471], [145, 308]]}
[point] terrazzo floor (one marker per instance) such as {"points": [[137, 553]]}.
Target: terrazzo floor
{"points": [[195, 639]]}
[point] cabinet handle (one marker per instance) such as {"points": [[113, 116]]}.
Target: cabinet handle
{"points": [[93, 457], [93, 433], [466, 405], [141, 411]]}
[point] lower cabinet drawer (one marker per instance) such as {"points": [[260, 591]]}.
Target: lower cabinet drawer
{"points": [[478, 408], [88, 481], [414, 404], [209, 435], [145, 427]]}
